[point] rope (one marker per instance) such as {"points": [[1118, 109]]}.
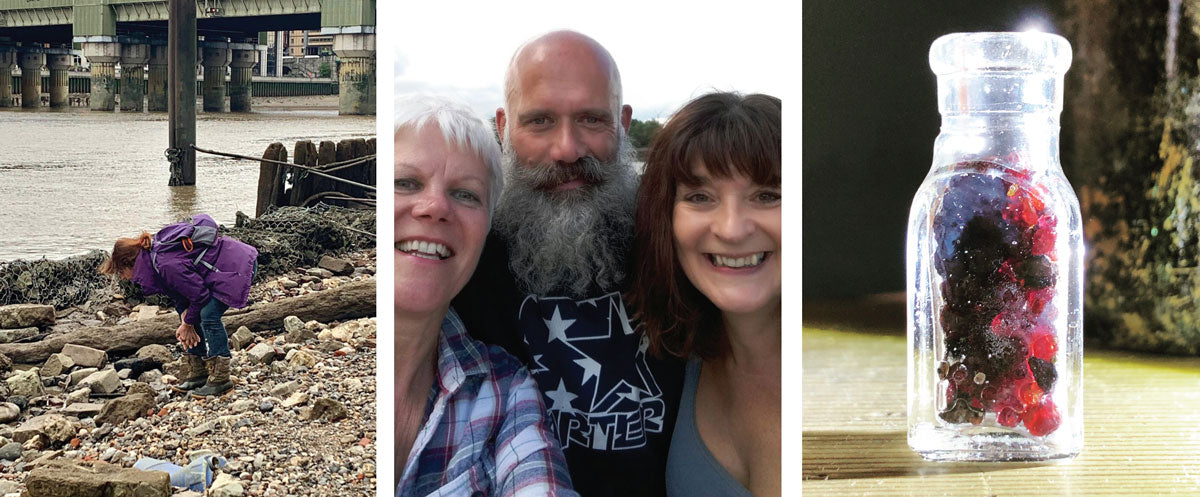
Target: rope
{"points": [[315, 171]]}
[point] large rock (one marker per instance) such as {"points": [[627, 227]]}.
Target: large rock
{"points": [[139, 387], [103, 381], [226, 486], [79, 374], [9, 412], [69, 478], [326, 409], [56, 364], [240, 338], [304, 358], [26, 315], [339, 267], [55, 427], [7, 336], [296, 331], [145, 312], [262, 353], [79, 395], [298, 398], [127, 408], [85, 356], [26, 384], [155, 352], [82, 410], [283, 390], [11, 451]]}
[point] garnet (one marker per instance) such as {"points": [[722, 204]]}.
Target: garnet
{"points": [[1042, 419]]}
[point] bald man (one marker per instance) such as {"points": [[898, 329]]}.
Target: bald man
{"points": [[548, 287]]}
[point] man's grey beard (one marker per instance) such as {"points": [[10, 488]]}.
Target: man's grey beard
{"points": [[572, 243]]}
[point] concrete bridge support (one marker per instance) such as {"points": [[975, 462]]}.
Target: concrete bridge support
{"points": [[8, 59], [133, 62], [31, 78], [102, 59], [215, 58], [60, 65], [356, 76], [156, 87], [241, 73]]}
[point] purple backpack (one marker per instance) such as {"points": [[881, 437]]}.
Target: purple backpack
{"points": [[195, 234]]}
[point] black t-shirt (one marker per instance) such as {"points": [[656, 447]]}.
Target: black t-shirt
{"points": [[611, 403]]}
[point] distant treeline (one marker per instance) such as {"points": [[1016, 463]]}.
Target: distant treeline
{"points": [[640, 132]]}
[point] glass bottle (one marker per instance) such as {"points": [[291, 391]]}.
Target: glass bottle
{"points": [[995, 260]]}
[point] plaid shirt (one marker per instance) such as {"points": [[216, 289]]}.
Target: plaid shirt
{"points": [[485, 430]]}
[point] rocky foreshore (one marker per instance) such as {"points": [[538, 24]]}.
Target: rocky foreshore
{"points": [[299, 421]]}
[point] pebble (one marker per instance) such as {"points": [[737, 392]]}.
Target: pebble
{"points": [[10, 451], [266, 406]]}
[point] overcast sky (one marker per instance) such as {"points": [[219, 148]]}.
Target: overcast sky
{"points": [[666, 55]]}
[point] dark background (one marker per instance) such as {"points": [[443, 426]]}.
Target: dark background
{"points": [[870, 118]]}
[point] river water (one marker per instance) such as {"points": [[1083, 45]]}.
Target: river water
{"points": [[75, 180]]}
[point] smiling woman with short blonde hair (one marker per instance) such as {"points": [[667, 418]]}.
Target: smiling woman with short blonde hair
{"points": [[469, 418]]}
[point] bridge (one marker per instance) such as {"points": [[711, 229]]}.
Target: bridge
{"points": [[133, 35]]}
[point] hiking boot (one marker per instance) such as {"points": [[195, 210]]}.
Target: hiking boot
{"points": [[197, 377], [218, 379]]}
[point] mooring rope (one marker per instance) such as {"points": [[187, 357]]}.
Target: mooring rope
{"points": [[312, 170]]}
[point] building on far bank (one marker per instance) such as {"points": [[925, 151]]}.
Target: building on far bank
{"points": [[309, 42]]}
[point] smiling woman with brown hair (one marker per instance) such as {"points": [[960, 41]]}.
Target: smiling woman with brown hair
{"points": [[707, 284]]}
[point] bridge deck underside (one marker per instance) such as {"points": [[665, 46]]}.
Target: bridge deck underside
{"points": [[233, 27]]}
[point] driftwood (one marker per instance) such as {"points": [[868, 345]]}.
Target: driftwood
{"points": [[351, 300]]}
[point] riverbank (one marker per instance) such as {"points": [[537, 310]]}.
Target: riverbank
{"points": [[300, 420], [325, 102]]}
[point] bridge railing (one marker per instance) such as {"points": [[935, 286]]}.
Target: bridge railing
{"points": [[268, 87]]}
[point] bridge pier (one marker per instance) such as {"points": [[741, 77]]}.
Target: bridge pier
{"points": [[356, 76], [156, 87], [215, 57], [102, 58], [241, 73], [60, 77], [8, 59], [133, 61], [31, 77]]}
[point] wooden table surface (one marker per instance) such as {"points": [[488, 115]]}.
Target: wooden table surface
{"points": [[1141, 419]]}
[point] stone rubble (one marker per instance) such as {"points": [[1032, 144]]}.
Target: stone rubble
{"points": [[299, 421]]}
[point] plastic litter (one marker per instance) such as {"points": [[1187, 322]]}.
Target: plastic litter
{"points": [[196, 476]]}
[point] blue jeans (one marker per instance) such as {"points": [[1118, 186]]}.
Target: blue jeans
{"points": [[214, 340]]}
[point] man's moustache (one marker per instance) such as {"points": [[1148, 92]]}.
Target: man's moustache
{"points": [[546, 177]]}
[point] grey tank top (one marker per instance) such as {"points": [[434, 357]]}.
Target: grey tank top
{"points": [[691, 468]]}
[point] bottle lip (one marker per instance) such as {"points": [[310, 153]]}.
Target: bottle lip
{"points": [[1001, 52]]}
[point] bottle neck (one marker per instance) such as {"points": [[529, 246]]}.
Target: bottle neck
{"points": [[1017, 140]]}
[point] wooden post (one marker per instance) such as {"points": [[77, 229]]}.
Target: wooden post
{"points": [[269, 184], [370, 166], [326, 154], [278, 182], [181, 86], [302, 183]]}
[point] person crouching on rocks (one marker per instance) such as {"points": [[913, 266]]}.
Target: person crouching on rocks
{"points": [[204, 275]]}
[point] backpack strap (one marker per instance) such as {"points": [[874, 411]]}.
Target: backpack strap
{"points": [[199, 260]]}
